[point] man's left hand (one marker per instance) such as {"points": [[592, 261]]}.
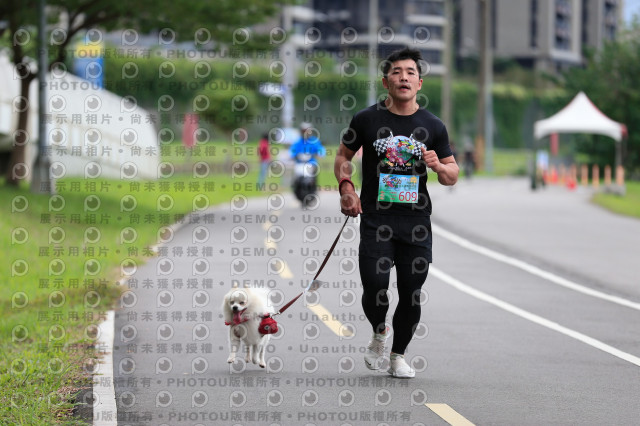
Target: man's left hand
{"points": [[431, 159]]}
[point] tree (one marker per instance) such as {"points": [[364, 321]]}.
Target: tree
{"points": [[611, 78], [226, 107], [204, 22]]}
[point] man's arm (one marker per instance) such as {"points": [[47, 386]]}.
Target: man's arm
{"points": [[342, 168], [446, 168]]}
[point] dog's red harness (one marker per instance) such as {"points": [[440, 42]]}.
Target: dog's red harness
{"points": [[267, 326]]}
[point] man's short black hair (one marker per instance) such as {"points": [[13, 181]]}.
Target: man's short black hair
{"points": [[399, 55]]}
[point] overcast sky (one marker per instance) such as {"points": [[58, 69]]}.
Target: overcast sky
{"points": [[631, 7]]}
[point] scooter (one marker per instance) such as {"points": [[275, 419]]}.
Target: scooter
{"points": [[304, 178]]}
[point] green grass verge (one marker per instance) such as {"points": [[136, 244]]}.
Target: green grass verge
{"points": [[506, 162], [628, 205]]}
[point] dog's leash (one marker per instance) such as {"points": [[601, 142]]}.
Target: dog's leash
{"points": [[315, 284]]}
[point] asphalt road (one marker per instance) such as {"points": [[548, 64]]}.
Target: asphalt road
{"points": [[531, 315]]}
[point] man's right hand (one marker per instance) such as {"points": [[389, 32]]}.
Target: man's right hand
{"points": [[349, 201], [342, 168]]}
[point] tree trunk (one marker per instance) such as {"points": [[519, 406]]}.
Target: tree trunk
{"points": [[17, 171]]}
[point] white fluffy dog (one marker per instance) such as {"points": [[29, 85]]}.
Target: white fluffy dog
{"points": [[243, 310]]}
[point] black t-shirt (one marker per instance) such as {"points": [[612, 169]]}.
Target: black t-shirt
{"points": [[390, 146]]}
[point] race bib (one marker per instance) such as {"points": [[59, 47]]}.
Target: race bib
{"points": [[398, 188]]}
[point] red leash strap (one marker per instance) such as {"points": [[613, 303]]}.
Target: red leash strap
{"points": [[285, 307], [335, 242], [324, 262]]}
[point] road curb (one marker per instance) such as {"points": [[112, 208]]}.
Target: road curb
{"points": [[105, 410]]}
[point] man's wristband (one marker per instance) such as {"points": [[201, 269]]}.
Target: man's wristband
{"points": [[343, 180]]}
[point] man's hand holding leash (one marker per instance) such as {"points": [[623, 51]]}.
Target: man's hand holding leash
{"points": [[349, 200]]}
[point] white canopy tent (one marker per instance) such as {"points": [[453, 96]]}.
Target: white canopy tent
{"points": [[582, 116]]}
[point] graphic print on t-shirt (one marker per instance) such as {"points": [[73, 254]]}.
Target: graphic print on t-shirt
{"points": [[397, 159]]}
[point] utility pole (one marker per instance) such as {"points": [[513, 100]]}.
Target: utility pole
{"points": [[373, 50], [484, 135], [488, 84], [41, 178], [288, 56], [447, 61]]}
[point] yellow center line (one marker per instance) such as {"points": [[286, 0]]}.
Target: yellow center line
{"points": [[449, 415], [286, 272], [270, 244], [334, 325]]}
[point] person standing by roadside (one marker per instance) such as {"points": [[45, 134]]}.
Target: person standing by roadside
{"points": [[265, 159], [400, 142], [469, 160]]}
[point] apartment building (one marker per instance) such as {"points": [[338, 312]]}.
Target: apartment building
{"points": [[546, 35], [343, 25]]}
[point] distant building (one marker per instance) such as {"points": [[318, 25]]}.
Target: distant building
{"points": [[546, 35], [337, 25]]}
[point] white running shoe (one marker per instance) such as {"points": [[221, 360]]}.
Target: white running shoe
{"points": [[398, 367], [374, 355]]}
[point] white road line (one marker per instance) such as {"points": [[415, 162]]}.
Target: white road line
{"points": [[533, 317], [449, 415], [532, 269], [105, 412]]}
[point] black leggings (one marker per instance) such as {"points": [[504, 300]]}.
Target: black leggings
{"points": [[375, 282]]}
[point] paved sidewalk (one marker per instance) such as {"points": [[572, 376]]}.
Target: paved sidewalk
{"points": [[554, 227]]}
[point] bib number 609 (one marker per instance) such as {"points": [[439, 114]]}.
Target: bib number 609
{"points": [[408, 196]]}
